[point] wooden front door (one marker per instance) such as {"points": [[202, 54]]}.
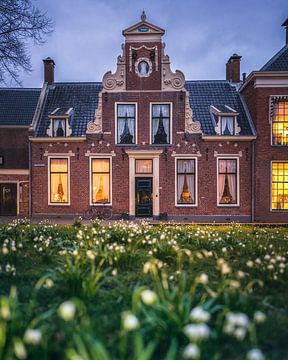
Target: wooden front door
{"points": [[143, 197], [8, 199]]}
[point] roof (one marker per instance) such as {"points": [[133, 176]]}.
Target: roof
{"points": [[82, 97], [279, 62], [17, 106], [204, 93]]}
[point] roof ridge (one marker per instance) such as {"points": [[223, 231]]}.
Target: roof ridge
{"points": [[77, 82], [274, 58]]}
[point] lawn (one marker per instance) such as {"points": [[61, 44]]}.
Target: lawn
{"points": [[134, 291]]}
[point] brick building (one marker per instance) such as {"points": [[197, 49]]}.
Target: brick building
{"points": [[149, 143]]}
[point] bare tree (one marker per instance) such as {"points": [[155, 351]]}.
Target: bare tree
{"points": [[20, 22]]}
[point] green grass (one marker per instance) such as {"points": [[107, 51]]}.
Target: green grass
{"points": [[104, 270]]}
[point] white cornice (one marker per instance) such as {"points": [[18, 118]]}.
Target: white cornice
{"points": [[57, 139], [14, 171], [273, 79], [228, 138]]}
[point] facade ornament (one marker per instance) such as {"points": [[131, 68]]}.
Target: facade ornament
{"points": [[143, 16], [191, 126], [95, 127], [116, 81], [132, 48]]}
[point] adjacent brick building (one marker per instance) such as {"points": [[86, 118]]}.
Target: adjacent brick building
{"points": [[148, 143]]}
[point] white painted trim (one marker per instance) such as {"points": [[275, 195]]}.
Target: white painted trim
{"points": [[270, 188], [136, 120], [57, 139], [266, 83], [109, 157], [219, 157], [239, 154], [143, 153], [228, 138], [171, 120], [196, 181], [59, 156], [100, 155], [18, 191], [46, 153], [186, 155], [14, 172]]}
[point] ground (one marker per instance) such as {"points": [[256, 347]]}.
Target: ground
{"points": [[135, 291]]}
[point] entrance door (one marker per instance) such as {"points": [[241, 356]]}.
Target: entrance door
{"points": [[143, 197], [8, 199]]}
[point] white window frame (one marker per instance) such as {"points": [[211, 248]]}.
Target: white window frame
{"points": [[275, 210], [234, 125], [116, 122], [69, 181], [196, 180], [171, 122], [96, 156], [229, 157]]}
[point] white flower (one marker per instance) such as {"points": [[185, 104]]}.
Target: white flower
{"points": [[130, 321], [149, 297], [32, 336], [191, 351], [197, 332], [199, 315], [259, 317], [203, 279], [19, 350], [249, 263], [67, 310], [255, 354], [90, 254]]}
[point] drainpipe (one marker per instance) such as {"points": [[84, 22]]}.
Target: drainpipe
{"points": [[253, 176], [30, 177]]}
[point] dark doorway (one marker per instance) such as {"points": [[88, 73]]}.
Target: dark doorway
{"points": [[143, 197], [8, 199]]}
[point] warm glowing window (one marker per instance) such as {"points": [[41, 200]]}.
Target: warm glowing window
{"points": [[126, 124], [186, 184], [280, 123], [144, 166], [59, 189], [279, 186], [227, 181], [161, 124], [59, 127], [100, 181]]}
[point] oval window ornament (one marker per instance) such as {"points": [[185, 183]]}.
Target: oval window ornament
{"points": [[143, 29]]}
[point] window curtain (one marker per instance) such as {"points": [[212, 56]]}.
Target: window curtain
{"points": [[227, 125], [186, 167], [231, 168], [122, 112], [156, 110], [59, 181], [100, 180], [230, 125], [221, 178], [56, 124]]}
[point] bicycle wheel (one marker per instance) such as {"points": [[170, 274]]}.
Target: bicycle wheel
{"points": [[88, 214], [106, 213]]}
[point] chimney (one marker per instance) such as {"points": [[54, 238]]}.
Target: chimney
{"points": [[233, 68], [285, 24], [49, 70]]}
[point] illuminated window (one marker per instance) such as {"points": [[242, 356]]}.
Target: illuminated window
{"points": [[161, 124], [126, 123], [144, 167], [279, 186], [100, 181], [59, 189], [279, 122], [186, 181], [227, 182]]}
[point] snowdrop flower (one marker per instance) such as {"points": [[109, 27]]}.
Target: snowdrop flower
{"points": [[249, 263], [19, 350], [67, 310], [90, 255], [32, 336], [191, 351], [199, 314], [196, 332], [203, 279], [149, 297], [130, 321], [259, 317], [255, 354]]}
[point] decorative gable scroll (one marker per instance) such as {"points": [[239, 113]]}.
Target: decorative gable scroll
{"points": [[116, 81], [191, 126], [95, 127]]}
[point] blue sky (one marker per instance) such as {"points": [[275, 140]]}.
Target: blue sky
{"points": [[200, 35]]}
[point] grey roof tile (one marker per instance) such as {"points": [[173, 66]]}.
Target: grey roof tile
{"points": [[204, 93], [17, 106], [82, 97], [279, 62]]}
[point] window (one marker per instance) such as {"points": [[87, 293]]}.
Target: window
{"points": [[227, 125], [279, 186], [1, 160], [280, 123], [227, 182], [161, 123], [58, 176], [143, 166], [100, 177], [59, 127], [126, 123], [186, 182], [143, 68]]}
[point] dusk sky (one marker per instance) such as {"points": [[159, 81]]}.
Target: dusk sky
{"points": [[200, 35]]}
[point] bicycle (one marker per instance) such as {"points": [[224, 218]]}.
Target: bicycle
{"points": [[100, 212]]}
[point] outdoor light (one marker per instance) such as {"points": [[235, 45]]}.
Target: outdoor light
{"points": [[152, 55], [181, 96], [134, 55]]}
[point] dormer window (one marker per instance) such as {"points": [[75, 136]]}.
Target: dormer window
{"points": [[225, 119], [60, 123]]}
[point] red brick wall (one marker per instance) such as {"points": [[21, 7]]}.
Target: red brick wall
{"points": [[14, 146]]}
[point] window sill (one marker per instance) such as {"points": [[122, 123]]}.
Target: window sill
{"points": [[186, 205], [52, 204], [228, 205]]}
